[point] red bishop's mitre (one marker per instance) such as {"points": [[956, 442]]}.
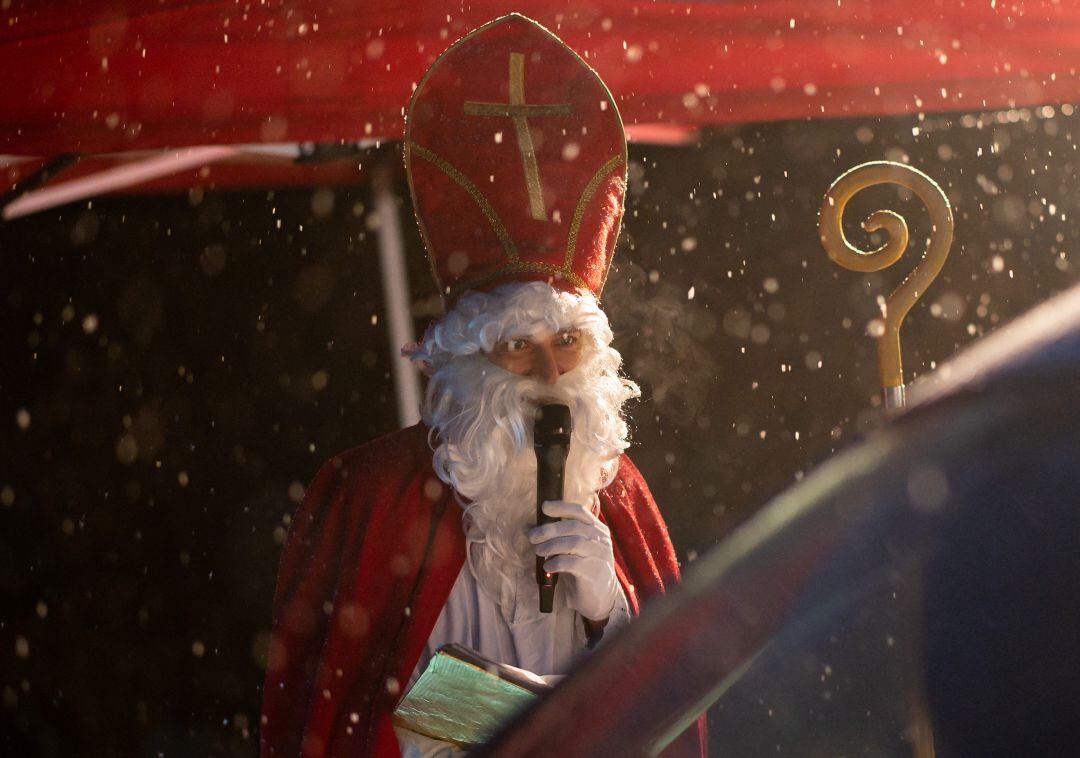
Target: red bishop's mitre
{"points": [[516, 159]]}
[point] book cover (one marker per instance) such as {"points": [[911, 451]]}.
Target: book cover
{"points": [[464, 698]]}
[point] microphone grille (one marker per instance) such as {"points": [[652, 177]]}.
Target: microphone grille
{"points": [[552, 424]]}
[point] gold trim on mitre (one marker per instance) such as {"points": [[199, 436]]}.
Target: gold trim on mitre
{"points": [[473, 191], [583, 204], [519, 267]]}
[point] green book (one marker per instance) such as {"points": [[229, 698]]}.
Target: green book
{"points": [[464, 698]]}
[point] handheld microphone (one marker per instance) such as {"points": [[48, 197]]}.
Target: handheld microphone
{"points": [[551, 442]]}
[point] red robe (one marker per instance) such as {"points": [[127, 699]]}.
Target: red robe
{"points": [[370, 559]]}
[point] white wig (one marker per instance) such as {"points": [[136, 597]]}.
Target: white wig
{"points": [[480, 320], [480, 414]]}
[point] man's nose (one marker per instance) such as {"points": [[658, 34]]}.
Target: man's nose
{"points": [[545, 367]]}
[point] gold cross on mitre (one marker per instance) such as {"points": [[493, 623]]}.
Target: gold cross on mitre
{"points": [[519, 111]]}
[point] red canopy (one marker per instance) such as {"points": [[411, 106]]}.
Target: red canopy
{"points": [[103, 75]]}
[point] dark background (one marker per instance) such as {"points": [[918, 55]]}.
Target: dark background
{"points": [[175, 368]]}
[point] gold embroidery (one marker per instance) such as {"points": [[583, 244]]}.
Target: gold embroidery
{"points": [[518, 267], [519, 111], [464, 182], [501, 109], [515, 266], [583, 204]]}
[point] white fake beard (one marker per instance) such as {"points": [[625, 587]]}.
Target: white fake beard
{"points": [[483, 422]]}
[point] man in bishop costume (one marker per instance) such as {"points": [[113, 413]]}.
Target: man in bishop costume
{"points": [[516, 159]]}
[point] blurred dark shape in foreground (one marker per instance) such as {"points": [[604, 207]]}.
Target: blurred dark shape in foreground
{"points": [[929, 575]]}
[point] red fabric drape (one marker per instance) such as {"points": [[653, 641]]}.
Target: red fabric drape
{"points": [[103, 75]]}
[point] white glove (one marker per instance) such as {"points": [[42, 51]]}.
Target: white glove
{"points": [[579, 548]]}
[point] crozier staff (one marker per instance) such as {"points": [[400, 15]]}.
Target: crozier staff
{"points": [[516, 159]]}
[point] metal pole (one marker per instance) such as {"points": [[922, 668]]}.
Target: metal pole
{"points": [[395, 283], [164, 163], [895, 397]]}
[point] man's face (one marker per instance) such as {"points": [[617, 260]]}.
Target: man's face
{"points": [[543, 356]]}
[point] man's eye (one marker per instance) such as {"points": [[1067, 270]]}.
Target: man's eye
{"points": [[514, 346], [567, 338]]}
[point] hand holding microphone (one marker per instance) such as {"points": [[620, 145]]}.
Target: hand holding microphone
{"points": [[579, 547], [568, 538]]}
